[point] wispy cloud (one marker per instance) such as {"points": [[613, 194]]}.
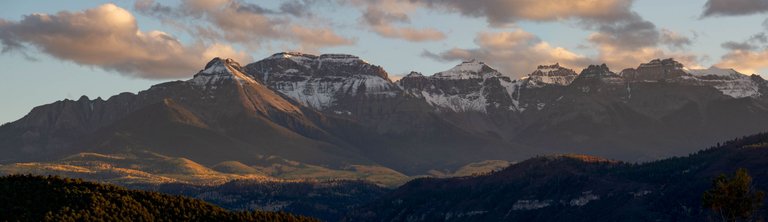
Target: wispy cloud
{"points": [[390, 19]]}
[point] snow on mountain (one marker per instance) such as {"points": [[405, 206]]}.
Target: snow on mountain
{"points": [[321, 81], [321, 94], [218, 70], [471, 69], [728, 81], [551, 75], [713, 71], [473, 101], [468, 87], [297, 57], [738, 88], [314, 61], [514, 90]]}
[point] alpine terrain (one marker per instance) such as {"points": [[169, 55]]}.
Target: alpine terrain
{"points": [[302, 116]]}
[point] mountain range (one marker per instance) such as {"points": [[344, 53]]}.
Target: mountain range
{"points": [[300, 114]]}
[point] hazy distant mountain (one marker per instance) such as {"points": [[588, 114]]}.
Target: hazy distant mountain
{"points": [[338, 112]]}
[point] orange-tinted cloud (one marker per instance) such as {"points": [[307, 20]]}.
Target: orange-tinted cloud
{"points": [[745, 61], [108, 37]]}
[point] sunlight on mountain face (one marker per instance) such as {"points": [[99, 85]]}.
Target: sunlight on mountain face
{"points": [[429, 110]]}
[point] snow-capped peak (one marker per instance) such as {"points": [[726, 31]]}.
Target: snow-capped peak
{"points": [[341, 58], [552, 75], [468, 70], [219, 66], [297, 57], [218, 70], [712, 71], [309, 59], [728, 81], [282, 55]]}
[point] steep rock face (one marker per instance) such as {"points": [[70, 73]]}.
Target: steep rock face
{"points": [[324, 82], [552, 75], [597, 74], [602, 110], [344, 86], [220, 110], [471, 86], [728, 81], [655, 70], [53, 127]]}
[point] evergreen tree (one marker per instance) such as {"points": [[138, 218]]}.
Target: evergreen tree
{"points": [[36, 198], [735, 198]]}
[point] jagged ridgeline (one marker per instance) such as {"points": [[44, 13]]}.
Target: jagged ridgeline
{"points": [[342, 114], [36, 198]]}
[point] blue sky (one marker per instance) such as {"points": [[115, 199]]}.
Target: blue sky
{"points": [[426, 36]]}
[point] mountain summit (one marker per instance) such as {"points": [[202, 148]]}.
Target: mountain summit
{"points": [[218, 70], [552, 75], [468, 70]]}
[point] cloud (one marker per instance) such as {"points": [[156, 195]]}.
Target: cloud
{"points": [[748, 56], [618, 58], [634, 40], [108, 37], [297, 8], [622, 37], [674, 40], [753, 43], [247, 24], [734, 7], [514, 53], [382, 17], [498, 12], [318, 37], [631, 33], [410, 34], [745, 61], [732, 45]]}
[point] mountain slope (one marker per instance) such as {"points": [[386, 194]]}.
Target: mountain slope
{"points": [[183, 119], [576, 188], [335, 111]]}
